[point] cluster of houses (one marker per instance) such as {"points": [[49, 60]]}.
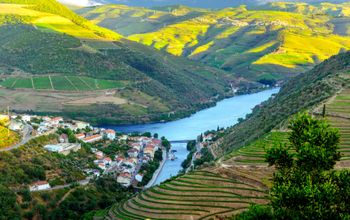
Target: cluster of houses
{"points": [[126, 168]]}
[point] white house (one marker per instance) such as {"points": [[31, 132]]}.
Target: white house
{"points": [[110, 134], [133, 152], [63, 148], [124, 179], [139, 177], [26, 118], [93, 138], [124, 137], [40, 185], [80, 136], [107, 160], [81, 125], [56, 120]]}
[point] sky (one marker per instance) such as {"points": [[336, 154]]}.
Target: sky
{"points": [[78, 2]]}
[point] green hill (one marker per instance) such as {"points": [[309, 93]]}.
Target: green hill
{"points": [[328, 83], [45, 46], [270, 42]]}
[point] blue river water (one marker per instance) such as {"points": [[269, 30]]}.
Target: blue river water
{"points": [[224, 114]]}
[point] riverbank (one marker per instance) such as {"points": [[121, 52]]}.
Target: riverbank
{"points": [[157, 172]]}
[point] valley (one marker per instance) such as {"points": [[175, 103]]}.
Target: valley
{"points": [[128, 110]]}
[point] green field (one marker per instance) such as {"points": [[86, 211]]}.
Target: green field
{"points": [[66, 83], [197, 195]]}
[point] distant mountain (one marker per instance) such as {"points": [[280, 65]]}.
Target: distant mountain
{"points": [[271, 42], [54, 61], [191, 3]]}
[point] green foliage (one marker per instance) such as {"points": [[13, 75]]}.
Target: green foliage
{"points": [[301, 187], [9, 209], [191, 148], [206, 156], [256, 212], [166, 144]]}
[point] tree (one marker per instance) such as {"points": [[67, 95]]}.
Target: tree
{"points": [[302, 186], [166, 143]]}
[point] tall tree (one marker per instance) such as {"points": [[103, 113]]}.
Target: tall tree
{"points": [[303, 186]]}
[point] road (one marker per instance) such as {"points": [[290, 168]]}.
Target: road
{"points": [[26, 133], [157, 172], [81, 183]]}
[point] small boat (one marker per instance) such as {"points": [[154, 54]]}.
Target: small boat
{"points": [[172, 157]]}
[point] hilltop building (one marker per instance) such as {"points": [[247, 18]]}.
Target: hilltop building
{"points": [[63, 148], [40, 185]]}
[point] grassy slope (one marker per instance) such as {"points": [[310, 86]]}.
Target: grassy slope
{"points": [[44, 37], [276, 40]]}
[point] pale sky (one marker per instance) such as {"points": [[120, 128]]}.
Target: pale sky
{"points": [[78, 2]]}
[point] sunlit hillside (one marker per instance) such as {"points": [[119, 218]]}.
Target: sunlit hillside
{"points": [[7, 137], [270, 42]]}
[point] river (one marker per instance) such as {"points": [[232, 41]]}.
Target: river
{"points": [[224, 114]]}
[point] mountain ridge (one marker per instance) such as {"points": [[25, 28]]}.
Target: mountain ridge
{"points": [[272, 42]]}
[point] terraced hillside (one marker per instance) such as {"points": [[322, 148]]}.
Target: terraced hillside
{"points": [[41, 38], [254, 153], [268, 43], [338, 114], [198, 195]]}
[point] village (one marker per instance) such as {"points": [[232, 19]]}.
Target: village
{"points": [[125, 165]]}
